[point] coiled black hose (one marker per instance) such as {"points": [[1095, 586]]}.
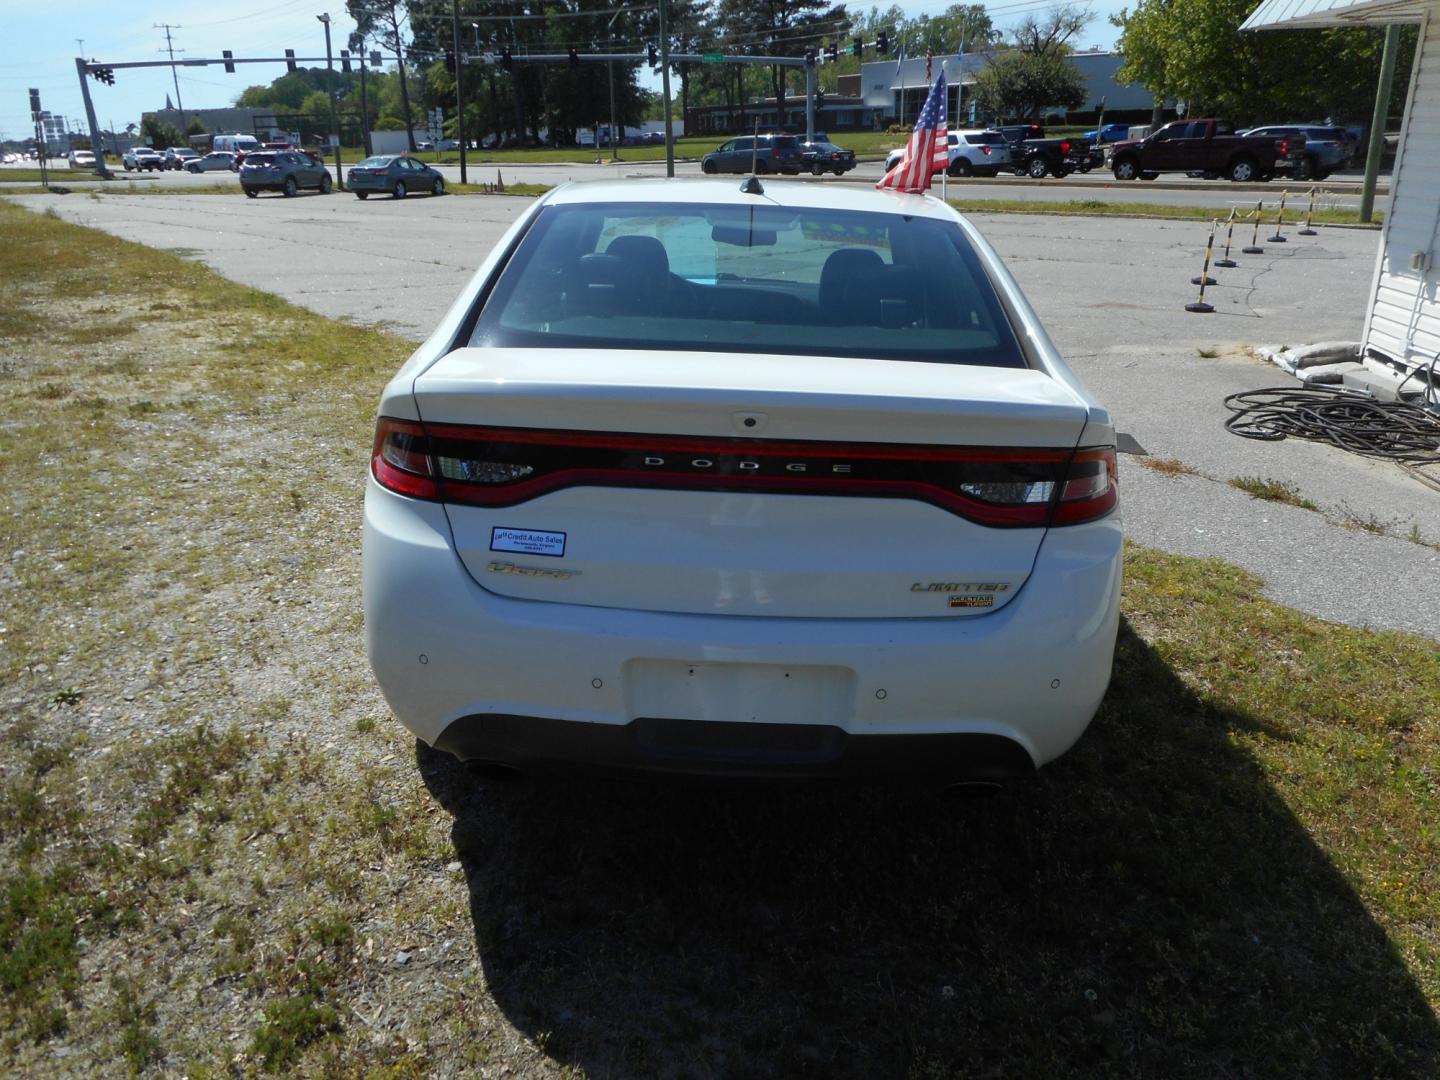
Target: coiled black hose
{"points": [[1393, 430]]}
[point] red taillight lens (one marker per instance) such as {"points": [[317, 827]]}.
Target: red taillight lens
{"points": [[1284, 146], [1064, 148], [985, 150], [400, 459], [1090, 490], [994, 486]]}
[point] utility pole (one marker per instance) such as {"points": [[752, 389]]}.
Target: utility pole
{"points": [[330, 85], [665, 89], [1377, 122], [459, 91], [170, 48]]}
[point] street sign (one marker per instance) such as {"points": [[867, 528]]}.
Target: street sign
{"points": [[713, 57]]}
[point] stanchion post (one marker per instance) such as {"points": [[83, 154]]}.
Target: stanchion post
{"points": [[1225, 260], [1255, 248], [1279, 238], [1309, 213], [1200, 306]]}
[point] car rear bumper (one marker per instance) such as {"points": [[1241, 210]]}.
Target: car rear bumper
{"points": [[741, 751], [369, 183], [526, 682]]}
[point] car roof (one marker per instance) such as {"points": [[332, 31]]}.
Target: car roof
{"points": [[700, 192]]}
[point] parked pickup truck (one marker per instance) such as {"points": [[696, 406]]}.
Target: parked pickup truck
{"points": [[1033, 155], [1209, 146]]}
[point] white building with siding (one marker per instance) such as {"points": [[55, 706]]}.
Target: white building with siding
{"points": [[1402, 322]]}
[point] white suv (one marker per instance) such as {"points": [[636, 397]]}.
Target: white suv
{"points": [[978, 152], [753, 480]]}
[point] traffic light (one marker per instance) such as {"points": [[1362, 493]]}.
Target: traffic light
{"points": [[819, 98], [345, 61], [507, 59], [654, 54], [574, 58], [34, 101], [103, 75], [375, 58], [832, 52], [809, 57], [857, 46], [450, 62], [229, 61], [882, 43], [289, 59]]}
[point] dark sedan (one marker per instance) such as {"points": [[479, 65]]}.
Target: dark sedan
{"points": [[395, 175], [821, 157]]}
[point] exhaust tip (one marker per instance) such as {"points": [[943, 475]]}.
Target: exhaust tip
{"points": [[494, 770]]}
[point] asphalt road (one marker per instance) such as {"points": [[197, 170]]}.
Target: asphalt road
{"points": [[1340, 192], [1111, 293]]}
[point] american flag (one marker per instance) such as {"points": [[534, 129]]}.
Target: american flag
{"points": [[928, 151]]}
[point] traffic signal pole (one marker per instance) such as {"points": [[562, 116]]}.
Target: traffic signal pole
{"points": [[809, 103], [82, 69]]}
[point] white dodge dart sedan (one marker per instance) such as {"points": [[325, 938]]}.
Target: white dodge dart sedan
{"points": [[702, 477]]}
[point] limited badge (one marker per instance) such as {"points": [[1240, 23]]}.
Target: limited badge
{"points": [[527, 541], [972, 601]]}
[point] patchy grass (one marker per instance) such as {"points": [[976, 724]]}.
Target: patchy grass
{"points": [[220, 857], [1278, 491], [1168, 466]]}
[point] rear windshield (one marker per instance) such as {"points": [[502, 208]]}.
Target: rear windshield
{"points": [[375, 162], [986, 138], [259, 159], [784, 141], [748, 279]]}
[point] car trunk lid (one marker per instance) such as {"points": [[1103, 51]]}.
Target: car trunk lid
{"points": [[746, 485]]}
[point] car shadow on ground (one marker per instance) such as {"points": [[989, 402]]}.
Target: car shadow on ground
{"points": [[1147, 906]]}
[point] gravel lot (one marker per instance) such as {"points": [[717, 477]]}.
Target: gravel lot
{"points": [[1111, 293]]}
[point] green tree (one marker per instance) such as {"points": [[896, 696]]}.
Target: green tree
{"points": [[195, 127], [780, 27], [161, 135], [1193, 51], [286, 92], [1021, 85], [380, 21]]}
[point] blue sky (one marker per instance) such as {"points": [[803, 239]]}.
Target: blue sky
{"points": [[41, 39]]}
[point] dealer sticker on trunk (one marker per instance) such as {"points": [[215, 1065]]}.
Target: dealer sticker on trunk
{"points": [[527, 541]]}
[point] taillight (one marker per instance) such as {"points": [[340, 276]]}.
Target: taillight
{"points": [[400, 460], [995, 486], [985, 150], [1284, 146], [1064, 148], [1090, 490], [774, 151]]}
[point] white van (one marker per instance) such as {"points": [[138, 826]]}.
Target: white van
{"points": [[235, 144]]}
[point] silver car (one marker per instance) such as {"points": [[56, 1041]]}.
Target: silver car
{"points": [[216, 161]]}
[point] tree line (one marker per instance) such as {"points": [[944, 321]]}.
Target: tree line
{"points": [[1189, 50]]}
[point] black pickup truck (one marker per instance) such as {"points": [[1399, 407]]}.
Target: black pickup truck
{"points": [[1033, 155], [1210, 147]]}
